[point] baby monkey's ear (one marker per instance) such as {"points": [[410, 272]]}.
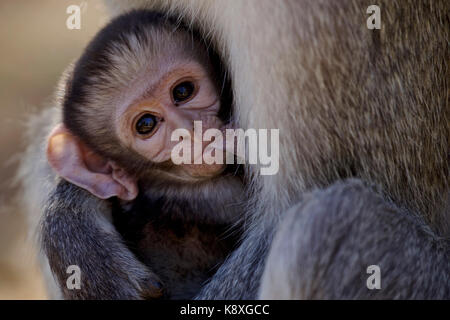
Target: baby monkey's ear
{"points": [[76, 163]]}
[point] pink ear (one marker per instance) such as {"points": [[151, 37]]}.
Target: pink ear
{"points": [[74, 162]]}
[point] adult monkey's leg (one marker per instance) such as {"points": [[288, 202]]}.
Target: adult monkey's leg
{"points": [[325, 244]]}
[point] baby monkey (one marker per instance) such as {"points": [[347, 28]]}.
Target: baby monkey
{"points": [[141, 78]]}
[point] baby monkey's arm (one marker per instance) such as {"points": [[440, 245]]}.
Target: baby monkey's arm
{"points": [[76, 222]]}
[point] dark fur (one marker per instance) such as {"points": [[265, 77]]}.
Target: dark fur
{"points": [[73, 235], [183, 252], [173, 249]]}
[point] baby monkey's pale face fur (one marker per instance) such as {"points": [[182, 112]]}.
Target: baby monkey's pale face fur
{"points": [[162, 113], [122, 105]]}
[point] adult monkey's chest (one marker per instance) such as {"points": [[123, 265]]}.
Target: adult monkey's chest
{"points": [[183, 252]]}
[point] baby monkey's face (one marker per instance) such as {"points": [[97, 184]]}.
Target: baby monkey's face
{"points": [[173, 99], [127, 100]]}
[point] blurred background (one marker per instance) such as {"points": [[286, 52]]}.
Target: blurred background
{"points": [[36, 46]]}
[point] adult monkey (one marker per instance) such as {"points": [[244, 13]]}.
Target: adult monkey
{"points": [[350, 103]]}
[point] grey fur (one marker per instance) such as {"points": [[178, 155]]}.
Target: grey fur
{"points": [[334, 234], [74, 233]]}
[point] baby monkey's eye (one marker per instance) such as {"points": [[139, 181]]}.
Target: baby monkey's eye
{"points": [[183, 91], [146, 124]]}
